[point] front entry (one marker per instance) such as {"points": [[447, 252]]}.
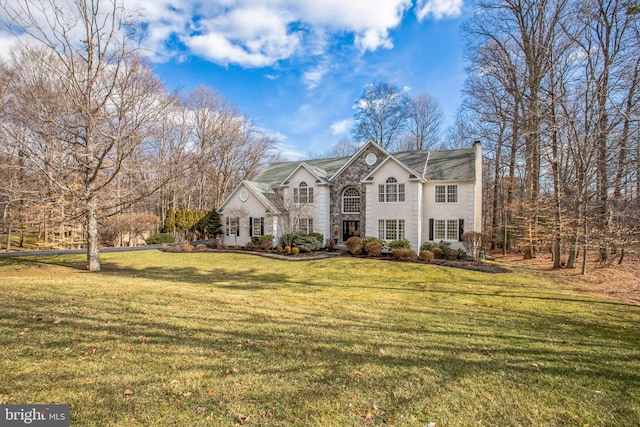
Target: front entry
{"points": [[350, 229]]}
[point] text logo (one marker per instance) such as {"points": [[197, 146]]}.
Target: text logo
{"points": [[34, 415]]}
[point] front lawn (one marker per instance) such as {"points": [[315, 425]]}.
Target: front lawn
{"points": [[214, 339]]}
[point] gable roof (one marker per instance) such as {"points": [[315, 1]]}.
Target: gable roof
{"points": [[277, 173], [413, 174], [353, 158], [451, 165], [448, 165]]}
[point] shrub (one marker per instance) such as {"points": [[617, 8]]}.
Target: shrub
{"points": [[186, 247], [400, 244], [437, 252], [172, 247], [319, 237], [354, 244], [330, 245], [444, 246], [427, 246], [295, 251], [308, 242], [287, 249], [201, 247], [404, 254], [279, 249], [451, 254], [369, 239], [287, 239], [373, 249], [159, 238], [253, 244], [426, 255], [265, 242]]}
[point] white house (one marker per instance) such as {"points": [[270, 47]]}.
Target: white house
{"points": [[418, 195]]}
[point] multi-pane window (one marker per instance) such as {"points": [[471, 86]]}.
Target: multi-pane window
{"points": [[391, 229], [232, 227], [305, 225], [303, 193], [351, 201], [445, 229], [447, 193], [391, 191], [256, 226]]}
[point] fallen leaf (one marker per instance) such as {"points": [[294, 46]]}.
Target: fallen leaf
{"points": [[211, 393], [128, 392]]}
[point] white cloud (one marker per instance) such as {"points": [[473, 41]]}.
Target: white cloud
{"points": [[256, 33], [342, 127], [7, 43], [439, 9], [250, 36], [313, 78]]}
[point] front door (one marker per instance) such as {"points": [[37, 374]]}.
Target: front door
{"points": [[350, 229]]}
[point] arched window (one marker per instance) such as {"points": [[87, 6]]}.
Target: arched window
{"points": [[391, 191], [303, 193], [350, 201]]}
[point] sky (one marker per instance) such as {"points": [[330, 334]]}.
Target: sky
{"points": [[297, 67]]}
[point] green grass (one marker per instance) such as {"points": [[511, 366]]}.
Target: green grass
{"points": [[223, 339]]}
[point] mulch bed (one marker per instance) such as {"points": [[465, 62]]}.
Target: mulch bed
{"points": [[308, 256]]}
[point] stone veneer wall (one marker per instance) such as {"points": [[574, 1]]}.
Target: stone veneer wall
{"points": [[351, 177]]}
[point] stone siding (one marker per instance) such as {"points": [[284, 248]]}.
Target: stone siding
{"points": [[352, 176]]}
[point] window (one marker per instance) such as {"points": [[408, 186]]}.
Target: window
{"points": [[391, 229], [447, 193], [303, 193], [445, 229], [305, 225], [391, 191], [256, 226], [351, 201], [232, 227]]}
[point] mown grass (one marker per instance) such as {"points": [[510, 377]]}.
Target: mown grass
{"points": [[159, 339]]}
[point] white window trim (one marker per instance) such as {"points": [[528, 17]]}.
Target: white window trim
{"points": [[352, 197], [303, 193], [447, 194], [383, 191], [256, 222], [400, 228], [446, 222]]}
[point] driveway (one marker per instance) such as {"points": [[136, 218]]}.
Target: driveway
{"points": [[77, 251]]}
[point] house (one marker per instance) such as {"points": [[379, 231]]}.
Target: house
{"points": [[418, 195]]}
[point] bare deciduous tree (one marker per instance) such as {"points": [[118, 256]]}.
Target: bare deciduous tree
{"points": [[88, 122], [381, 114]]}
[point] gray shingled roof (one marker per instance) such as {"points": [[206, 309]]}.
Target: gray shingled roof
{"points": [[450, 165], [276, 173]]}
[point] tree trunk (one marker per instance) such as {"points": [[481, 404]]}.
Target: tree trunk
{"points": [[9, 236], [496, 192], [93, 255]]}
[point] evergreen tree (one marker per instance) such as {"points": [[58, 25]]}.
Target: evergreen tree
{"points": [[170, 221]]}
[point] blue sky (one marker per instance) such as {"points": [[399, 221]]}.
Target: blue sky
{"points": [[296, 67]]}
